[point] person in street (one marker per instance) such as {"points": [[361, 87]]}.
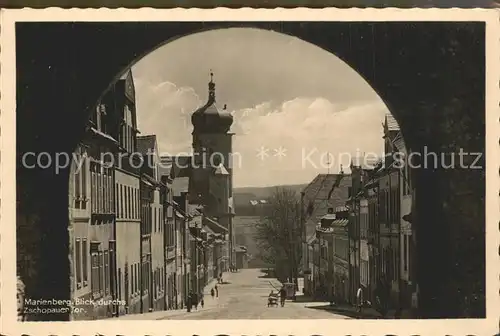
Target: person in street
{"points": [[202, 300], [282, 296], [220, 277], [216, 291], [189, 301], [212, 292], [359, 299], [195, 300]]}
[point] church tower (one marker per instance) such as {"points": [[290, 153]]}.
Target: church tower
{"points": [[212, 163]]}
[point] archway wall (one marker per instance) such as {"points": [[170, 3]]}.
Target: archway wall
{"points": [[428, 74]]}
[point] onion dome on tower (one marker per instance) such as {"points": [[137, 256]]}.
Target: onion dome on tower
{"points": [[209, 118]]}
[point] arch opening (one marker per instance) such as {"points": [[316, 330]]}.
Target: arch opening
{"points": [[380, 83]]}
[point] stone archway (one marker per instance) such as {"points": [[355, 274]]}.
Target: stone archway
{"points": [[430, 75]]}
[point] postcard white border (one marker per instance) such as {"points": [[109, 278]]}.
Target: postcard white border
{"points": [[9, 325]]}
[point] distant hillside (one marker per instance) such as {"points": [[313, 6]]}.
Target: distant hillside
{"points": [[263, 192], [243, 196]]}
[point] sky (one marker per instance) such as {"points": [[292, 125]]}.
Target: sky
{"points": [[298, 110]]}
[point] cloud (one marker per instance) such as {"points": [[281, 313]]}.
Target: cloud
{"points": [[296, 135], [306, 129], [165, 109]]}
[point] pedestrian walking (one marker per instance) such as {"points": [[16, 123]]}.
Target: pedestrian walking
{"points": [[212, 292], [220, 277], [216, 291], [189, 301], [282, 296], [202, 300], [195, 300], [359, 299]]}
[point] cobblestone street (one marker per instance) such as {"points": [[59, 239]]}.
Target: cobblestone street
{"points": [[245, 297]]}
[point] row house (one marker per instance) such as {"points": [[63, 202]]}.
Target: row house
{"points": [[358, 226], [325, 191], [138, 242], [208, 238], [217, 237], [153, 226], [380, 227], [180, 284], [174, 223], [241, 257], [333, 265], [127, 196], [94, 206]]}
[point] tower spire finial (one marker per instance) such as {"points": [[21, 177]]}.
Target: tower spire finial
{"points": [[211, 87]]}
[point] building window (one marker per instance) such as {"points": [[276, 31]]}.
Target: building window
{"points": [[117, 197], [133, 203], [405, 252], [92, 186], [121, 202], [104, 190], [76, 183], [137, 278], [100, 260], [78, 263], [84, 182], [106, 272], [95, 274], [85, 261], [110, 191], [129, 202], [125, 204]]}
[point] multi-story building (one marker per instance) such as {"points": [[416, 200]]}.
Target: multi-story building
{"points": [[341, 255], [241, 257], [408, 287], [358, 224], [93, 215], [332, 274], [196, 249], [172, 251], [324, 232], [127, 204], [152, 244], [325, 191], [373, 236], [80, 213]]}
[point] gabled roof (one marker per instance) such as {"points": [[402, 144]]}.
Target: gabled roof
{"points": [[146, 144], [216, 227], [399, 143], [129, 86], [390, 123], [180, 185], [181, 166], [165, 166], [316, 197], [221, 170]]}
